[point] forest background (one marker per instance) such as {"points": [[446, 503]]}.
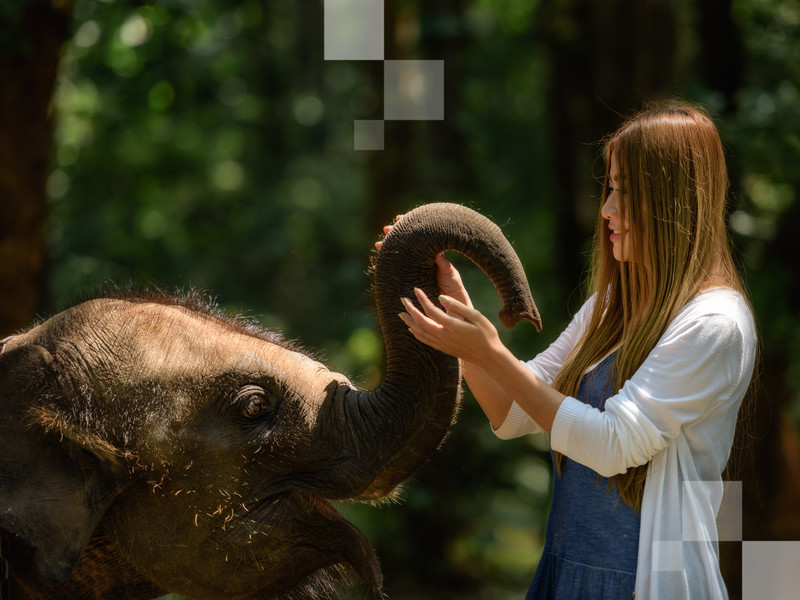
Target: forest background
{"points": [[208, 144]]}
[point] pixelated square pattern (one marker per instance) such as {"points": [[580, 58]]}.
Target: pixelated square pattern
{"points": [[368, 135], [668, 556], [729, 518], [353, 29], [727, 495], [770, 570], [413, 90]]}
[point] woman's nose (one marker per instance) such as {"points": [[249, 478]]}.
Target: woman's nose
{"points": [[609, 208]]}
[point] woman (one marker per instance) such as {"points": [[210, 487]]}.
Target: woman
{"points": [[640, 394]]}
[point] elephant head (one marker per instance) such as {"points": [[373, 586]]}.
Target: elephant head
{"points": [[153, 444]]}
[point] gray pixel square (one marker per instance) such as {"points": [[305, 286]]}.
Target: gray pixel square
{"points": [[413, 90], [770, 570], [668, 555], [353, 29], [368, 135], [727, 496], [729, 518]]}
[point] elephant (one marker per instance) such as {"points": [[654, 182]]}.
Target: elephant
{"points": [[153, 444]]}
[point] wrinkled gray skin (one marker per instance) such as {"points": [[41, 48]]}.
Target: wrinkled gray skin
{"points": [[151, 445]]}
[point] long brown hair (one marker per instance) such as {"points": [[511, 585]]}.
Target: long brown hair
{"points": [[673, 192]]}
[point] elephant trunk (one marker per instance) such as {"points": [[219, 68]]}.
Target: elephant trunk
{"points": [[389, 433]]}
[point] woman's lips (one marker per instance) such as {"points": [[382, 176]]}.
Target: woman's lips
{"points": [[616, 234]]}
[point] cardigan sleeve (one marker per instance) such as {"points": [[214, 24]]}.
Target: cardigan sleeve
{"points": [[695, 367], [545, 366]]}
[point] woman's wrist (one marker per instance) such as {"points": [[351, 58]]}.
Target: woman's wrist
{"points": [[535, 397]]}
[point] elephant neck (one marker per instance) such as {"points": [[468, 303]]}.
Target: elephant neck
{"points": [[100, 573], [5, 591]]}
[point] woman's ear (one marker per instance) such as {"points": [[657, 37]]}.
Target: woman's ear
{"points": [[52, 494]]}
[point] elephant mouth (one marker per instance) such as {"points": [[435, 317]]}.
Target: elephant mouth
{"points": [[350, 541], [312, 536]]}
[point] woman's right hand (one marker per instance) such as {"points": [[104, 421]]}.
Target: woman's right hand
{"points": [[450, 283], [449, 278]]}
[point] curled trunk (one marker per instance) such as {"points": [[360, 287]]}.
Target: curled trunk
{"points": [[389, 433]]}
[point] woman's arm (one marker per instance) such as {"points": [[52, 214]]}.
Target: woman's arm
{"points": [[697, 373], [500, 377], [491, 397]]}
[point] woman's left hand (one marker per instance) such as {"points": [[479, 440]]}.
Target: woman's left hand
{"points": [[462, 331]]}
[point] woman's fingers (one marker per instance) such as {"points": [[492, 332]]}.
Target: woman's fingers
{"points": [[426, 324], [449, 280], [413, 316], [425, 329], [462, 331], [387, 229], [433, 311], [465, 312]]}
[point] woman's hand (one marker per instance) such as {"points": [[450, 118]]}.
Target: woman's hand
{"points": [[462, 331], [449, 278], [450, 284], [386, 230], [495, 376]]}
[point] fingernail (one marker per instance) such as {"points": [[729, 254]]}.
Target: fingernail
{"points": [[443, 299]]}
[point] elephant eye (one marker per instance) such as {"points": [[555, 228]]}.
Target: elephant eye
{"points": [[254, 402], [253, 408]]}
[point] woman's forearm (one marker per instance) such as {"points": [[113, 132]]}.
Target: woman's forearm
{"points": [[492, 398], [505, 380], [519, 384], [464, 332]]}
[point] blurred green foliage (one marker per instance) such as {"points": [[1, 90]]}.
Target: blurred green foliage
{"points": [[207, 144]]}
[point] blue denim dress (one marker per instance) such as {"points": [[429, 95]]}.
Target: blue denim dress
{"points": [[592, 540]]}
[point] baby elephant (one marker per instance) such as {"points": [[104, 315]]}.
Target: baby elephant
{"points": [[152, 444]]}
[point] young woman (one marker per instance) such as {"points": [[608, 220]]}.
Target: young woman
{"points": [[640, 394]]}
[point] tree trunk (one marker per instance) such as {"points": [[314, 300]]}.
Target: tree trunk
{"points": [[605, 58], [388, 182], [28, 62], [722, 56]]}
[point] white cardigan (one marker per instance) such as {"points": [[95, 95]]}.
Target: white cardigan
{"points": [[679, 412]]}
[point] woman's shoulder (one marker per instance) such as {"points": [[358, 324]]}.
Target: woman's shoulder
{"points": [[718, 310], [723, 301], [585, 311]]}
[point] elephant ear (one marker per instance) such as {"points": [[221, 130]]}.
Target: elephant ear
{"points": [[54, 486]]}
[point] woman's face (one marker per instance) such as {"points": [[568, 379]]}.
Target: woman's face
{"points": [[610, 211]]}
